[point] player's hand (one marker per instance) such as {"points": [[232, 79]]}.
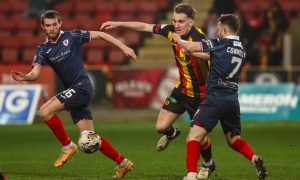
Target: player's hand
{"points": [[176, 37], [129, 53], [18, 76], [109, 25]]}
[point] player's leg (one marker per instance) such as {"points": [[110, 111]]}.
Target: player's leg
{"points": [[124, 165], [231, 125], [208, 166], [196, 134], [168, 114], [203, 122], [47, 113], [164, 126]]}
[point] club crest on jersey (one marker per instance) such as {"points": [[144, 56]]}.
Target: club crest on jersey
{"points": [[66, 42]]}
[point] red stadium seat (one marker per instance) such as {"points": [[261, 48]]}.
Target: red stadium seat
{"points": [[94, 56], [131, 37], [127, 6], [11, 42], [116, 56], [5, 7], [9, 56], [19, 5], [85, 6], [105, 7], [147, 6], [97, 44], [28, 55], [32, 42], [92, 24], [28, 24], [8, 24], [147, 18], [65, 8], [124, 17]]}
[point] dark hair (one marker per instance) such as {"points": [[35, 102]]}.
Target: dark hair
{"points": [[50, 14], [231, 20], [185, 9]]}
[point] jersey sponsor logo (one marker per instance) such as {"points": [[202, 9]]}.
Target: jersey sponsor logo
{"points": [[18, 103], [66, 42]]}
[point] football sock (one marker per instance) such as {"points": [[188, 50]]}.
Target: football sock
{"points": [[206, 150], [170, 132], [123, 163], [243, 147], [192, 155], [108, 150], [57, 127]]}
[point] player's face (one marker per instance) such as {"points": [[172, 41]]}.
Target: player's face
{"points": [[52, 28], [220, 30], [182, 23]]}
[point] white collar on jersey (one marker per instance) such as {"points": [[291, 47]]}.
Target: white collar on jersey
{"points": [[232, 37], [60, 33]]}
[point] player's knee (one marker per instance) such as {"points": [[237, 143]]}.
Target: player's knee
{"points": [[44, 113]]}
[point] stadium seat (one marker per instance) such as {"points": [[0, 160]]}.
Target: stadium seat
{"points": [[5, 7], [85, 6], [105, 7], [131, 37], [147, 6], [97, 44], [127, 6], [11, 42], [147, 18], [28, 55], [94, 56], [69, 24], [92, 24], [116, 56], [19, 5], [64, 8], [8, 24], [9, 55], [27, 24], [124, 17], [32, 42]]}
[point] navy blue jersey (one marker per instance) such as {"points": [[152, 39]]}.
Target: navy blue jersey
{"points": [[64, 57], [227, 59]]}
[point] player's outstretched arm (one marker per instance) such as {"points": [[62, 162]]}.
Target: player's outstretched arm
{"points": [[201, 55], [125, 49], [31, 76], [189, 46], [138, 26]]}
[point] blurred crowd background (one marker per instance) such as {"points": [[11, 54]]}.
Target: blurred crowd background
{"points": [[267, 28]]}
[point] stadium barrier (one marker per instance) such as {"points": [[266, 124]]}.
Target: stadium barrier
{"points": [[18, 103]]}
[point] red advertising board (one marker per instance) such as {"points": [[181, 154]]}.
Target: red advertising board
{"points": [[135, 88], [46, 79]]}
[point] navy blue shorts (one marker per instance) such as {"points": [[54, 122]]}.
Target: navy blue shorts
{"points": [[76, 99], [228, 112], [178, 103]]}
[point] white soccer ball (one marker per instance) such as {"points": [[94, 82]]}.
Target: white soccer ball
{"points": [[89, 141]]}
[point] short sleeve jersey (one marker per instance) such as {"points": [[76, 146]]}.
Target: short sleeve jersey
{"points": [[192, 73], [65, 57], [227, 60]]}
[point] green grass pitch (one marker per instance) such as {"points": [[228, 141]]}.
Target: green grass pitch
{"points": [[28, 152]]}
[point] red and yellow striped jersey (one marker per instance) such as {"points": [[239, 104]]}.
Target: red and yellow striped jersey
{"points": [[193, 73]]}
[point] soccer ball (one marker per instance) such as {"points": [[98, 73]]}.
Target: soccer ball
{"points": [[89, 141]]}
